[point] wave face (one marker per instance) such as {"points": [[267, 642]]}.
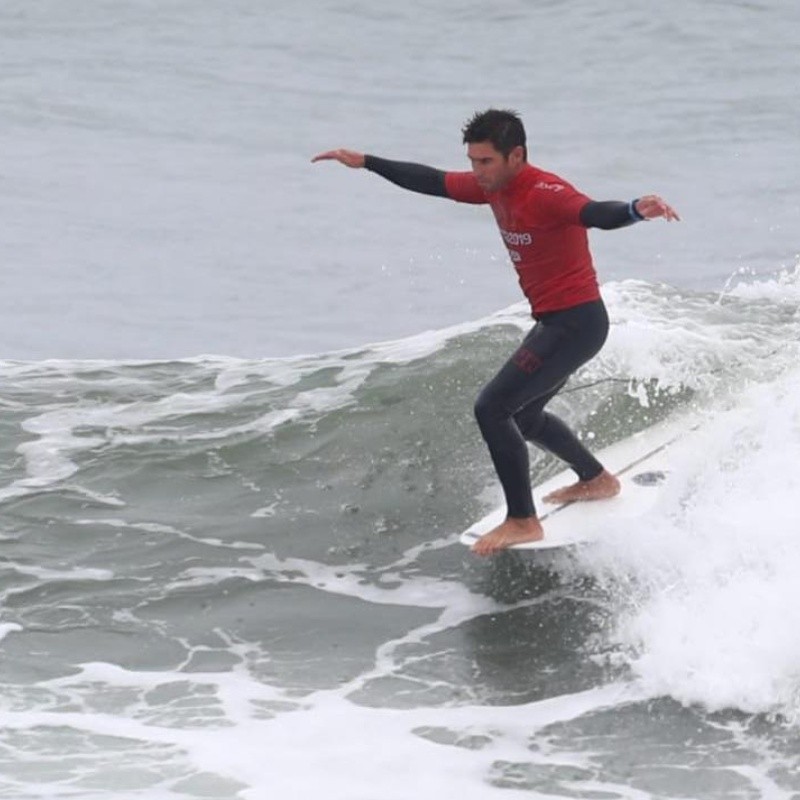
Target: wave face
{"points": [[227, 577]]}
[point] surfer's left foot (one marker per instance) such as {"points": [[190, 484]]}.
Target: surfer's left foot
{"points": [[515, 530], [602, 487]]}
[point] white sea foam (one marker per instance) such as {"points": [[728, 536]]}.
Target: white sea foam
{"points": [[783, 288], [7, 628], [169, 530], [48, 457], [684, 342], [713, 612], [278, 744], [77, 574], [327, 744], [418, 591]]}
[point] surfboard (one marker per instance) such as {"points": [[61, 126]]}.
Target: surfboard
{"points": [[643, 462]]}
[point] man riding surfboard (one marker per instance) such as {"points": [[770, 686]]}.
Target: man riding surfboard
{"points": [[543, 222]]}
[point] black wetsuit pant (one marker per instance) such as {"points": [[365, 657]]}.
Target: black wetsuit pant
{"points": [[510, 408]]}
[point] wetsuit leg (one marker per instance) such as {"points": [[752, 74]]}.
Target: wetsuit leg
{"points": [[509, 409], [552, 434]]}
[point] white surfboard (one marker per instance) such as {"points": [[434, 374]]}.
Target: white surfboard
{"points": [[643, 463]]}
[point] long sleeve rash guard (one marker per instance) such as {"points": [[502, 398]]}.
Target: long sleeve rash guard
{"points": [[542, 219]]}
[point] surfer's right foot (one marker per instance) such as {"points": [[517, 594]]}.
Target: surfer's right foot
{"points": [[515, 530]]}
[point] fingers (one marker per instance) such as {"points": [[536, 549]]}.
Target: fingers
{"points": [[665, 210], [350, 158], [330, 155], [652, 206]]}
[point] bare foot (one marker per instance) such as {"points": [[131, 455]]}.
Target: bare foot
{"points": [[513, 531], [605, 485]]}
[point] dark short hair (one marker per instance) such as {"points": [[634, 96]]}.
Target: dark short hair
{"points": [[501, 127]]}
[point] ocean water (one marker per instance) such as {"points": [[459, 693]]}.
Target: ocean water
{"points": [[236, 438]]}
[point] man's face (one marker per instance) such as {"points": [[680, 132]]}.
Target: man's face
{"points": [[491, 168]]}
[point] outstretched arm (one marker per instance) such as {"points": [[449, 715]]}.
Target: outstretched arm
{"points": [[415, 177], [610, 214]]}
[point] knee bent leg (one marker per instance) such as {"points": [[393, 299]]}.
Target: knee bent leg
{"points": [[488, 409]]}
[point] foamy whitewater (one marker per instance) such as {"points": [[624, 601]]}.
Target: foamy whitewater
{"points": [[238, 576]]}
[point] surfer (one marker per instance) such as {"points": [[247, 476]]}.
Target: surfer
{"points": [[543, 222]]}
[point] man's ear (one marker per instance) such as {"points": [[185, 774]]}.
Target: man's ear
{"points": [[517, 156]]}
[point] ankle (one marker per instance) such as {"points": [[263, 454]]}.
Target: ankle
{"points": [[524, 522]]}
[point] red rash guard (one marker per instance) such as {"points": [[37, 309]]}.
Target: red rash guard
{"points": [[538, 216]]}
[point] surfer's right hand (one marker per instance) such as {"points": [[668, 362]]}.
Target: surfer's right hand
{"points": [[350, 158]]}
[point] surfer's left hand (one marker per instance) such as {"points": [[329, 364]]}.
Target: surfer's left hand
{"points": [[651, 206]]}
